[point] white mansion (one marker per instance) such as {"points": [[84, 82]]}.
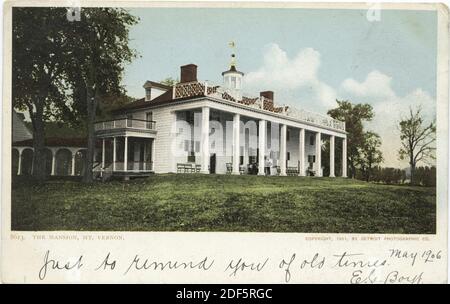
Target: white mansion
{"points": [[196, 126]]}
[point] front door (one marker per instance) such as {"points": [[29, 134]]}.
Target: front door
{"points": [[212, 163]]}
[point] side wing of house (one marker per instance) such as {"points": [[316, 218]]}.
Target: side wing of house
{"points": [[20, 131], [164, 118]]}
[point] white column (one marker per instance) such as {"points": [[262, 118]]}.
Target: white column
{"points": [[332, 156], [73, 163], [244, 150], [261, 146], [344, 157], [173, 154], [283, 150], [103, 154], [205, 141], [153, 156], [114, 153], [19, 167], [53, 161], [144, 145], [318, 154], [301, 152], [236, 143], [125, 154]]}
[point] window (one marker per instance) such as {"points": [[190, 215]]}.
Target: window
{"points": [[129, 120], [148, 94], [311, 140], [191, 146], [215, 116], [196, 120], [233, 82], [274, 155], [190, 117], [247, 138], [289, 156], [288, 135], [149, 119]]}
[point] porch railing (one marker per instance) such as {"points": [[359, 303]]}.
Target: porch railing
{"points": [[196, 88], [315, 118], [125, 123], [133, 166]]}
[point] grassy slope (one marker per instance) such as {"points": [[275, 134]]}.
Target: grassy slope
{"points": [[225, 203]]}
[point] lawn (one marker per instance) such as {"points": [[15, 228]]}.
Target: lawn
{"points": [[224, 203]]}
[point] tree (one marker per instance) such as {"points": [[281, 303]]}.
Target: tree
{"points": [[369, 154], [417, 139], [100, 51], [39, 52], [353, 115], [109, 102], [425, 176], [169, 81]]}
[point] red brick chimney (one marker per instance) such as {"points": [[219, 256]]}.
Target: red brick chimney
{"points": [[188, 73], [267, 94]]}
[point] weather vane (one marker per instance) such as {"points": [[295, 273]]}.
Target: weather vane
{"points": [[232, 45]]}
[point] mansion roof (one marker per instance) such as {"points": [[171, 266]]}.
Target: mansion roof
{"points": [[167, 97], [231, 91]]}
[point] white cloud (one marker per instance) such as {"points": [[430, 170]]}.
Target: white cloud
{"points": [[389, 108], [295, 81], [281, 74], [376, 85]]}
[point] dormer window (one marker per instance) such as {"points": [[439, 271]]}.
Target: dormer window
{"points": [[154, 89]]}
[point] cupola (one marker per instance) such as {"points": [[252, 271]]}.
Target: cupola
{"points": [[232, 79]]}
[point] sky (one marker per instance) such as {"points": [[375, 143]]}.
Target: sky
{"points": [[309, 58]]}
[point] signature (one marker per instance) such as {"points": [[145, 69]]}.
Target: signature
{"points": [[393, 277]]}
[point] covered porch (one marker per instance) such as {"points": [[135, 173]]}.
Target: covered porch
{"points": [[127, 148], [222, 142]]}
